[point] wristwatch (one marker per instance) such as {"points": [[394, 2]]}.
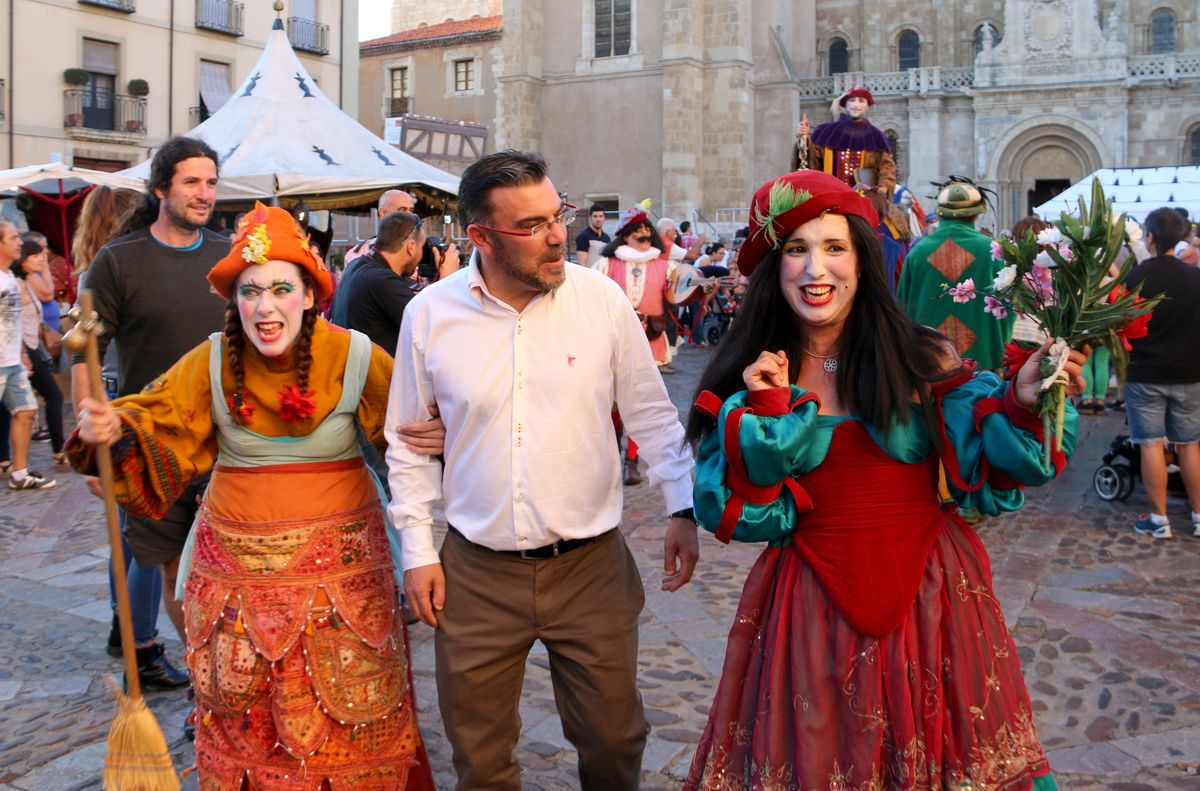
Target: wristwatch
{"points": [[685, 513]]}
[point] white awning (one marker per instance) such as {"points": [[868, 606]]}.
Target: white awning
{"points": [[214, 85]]}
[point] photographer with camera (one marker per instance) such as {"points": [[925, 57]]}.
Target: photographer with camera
{"points": [[439, 259]]}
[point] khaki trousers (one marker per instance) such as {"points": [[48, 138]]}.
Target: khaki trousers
{"points": [[584, 607]]}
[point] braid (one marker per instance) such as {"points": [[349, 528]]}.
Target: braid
{"points": [[236, 343], [304, 347]]}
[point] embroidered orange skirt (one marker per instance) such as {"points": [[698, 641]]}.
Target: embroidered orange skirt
{"points": [[295, 640]]}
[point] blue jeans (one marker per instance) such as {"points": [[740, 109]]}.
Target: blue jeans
{"points": [[145, 591], [1159, 412]]}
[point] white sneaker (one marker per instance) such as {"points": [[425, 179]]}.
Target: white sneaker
{"points": [[1146, 527]]}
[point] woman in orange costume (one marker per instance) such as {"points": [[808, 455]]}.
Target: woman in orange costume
{"points": [[296, 642]]}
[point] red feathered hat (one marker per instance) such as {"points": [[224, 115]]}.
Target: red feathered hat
{"points": [[859, 92], [784, 204], [269, 233]]}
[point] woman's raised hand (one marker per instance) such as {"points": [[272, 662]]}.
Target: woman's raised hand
{"points": [[1029, 378], [769, 370], [98, 423]]}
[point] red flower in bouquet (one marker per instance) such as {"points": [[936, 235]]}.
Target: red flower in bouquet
{"points": [[296, 405], [1015, 356]]}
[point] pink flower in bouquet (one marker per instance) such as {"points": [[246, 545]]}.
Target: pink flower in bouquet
{"points": [[1067, 254], [1040, 281], [964, 291], [995, 307], [997, 251]]}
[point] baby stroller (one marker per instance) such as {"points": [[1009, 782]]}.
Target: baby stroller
{"points": [[1116, 477], [718, 314]]}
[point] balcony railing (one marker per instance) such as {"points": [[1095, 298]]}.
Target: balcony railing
{"points": [[924, 79], [128, 6], [84, 108], [308, 35], [197, 116], [397, 105], [223, 16]]}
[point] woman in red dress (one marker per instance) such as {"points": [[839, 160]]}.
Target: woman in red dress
{"points": [[868, 650]]}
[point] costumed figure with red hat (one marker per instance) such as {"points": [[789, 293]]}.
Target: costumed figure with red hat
{"points": [[632, 260], [869, 650], [850, 147], [296, 640]]}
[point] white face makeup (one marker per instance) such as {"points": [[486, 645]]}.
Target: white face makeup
{"points": [[271, 300], [856, 107], [818, 271]]}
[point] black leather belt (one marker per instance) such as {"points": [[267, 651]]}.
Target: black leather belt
{"points": [[560, 547]]}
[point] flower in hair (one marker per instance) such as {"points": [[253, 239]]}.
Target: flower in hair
{"points": [[239, 408], [296, 405]]}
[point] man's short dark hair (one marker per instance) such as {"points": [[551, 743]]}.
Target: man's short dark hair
{"points": [[509, 168], [395, 229], [1167, 227], [685, 226], [595, 208]]}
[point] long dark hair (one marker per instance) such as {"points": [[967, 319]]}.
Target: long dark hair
{"points": [[885, 357], [618, 239], [235, 343], [162, 170]]}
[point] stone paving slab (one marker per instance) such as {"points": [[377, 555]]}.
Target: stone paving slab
{"points": [[1107, 626]]}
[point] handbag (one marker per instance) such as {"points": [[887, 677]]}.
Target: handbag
{"points": [[52, 339]]}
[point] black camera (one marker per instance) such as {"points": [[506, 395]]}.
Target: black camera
{"points": [[427, 269]]}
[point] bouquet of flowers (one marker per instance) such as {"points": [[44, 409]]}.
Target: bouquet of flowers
{"points": [[1062, 280]]}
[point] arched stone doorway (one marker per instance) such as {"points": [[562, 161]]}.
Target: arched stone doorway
{"points": [[1039, 158]]}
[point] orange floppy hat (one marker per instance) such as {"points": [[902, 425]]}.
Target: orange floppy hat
{"points": [[785, 203], [269, 233]]}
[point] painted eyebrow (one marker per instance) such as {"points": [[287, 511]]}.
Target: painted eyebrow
{"points": [[272, 285]]}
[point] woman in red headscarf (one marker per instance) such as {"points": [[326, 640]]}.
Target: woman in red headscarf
{"points": [[869, 650], [295, 638]]}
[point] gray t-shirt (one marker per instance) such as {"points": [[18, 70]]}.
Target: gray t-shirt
{"points": [[154, 301]]}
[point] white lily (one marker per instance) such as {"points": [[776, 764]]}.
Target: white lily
{"points": [[1058, 353]]}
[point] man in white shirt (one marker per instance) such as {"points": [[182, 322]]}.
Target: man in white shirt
{"points": [[525, 357]]}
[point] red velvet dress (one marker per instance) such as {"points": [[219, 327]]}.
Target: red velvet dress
{"points": [[868, 650]]}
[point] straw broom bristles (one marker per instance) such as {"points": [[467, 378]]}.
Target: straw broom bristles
{"points": [[137, 758]]}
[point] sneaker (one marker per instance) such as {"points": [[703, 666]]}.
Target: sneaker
{"points": [[1143, 525], [41, 435], [32, 480]]}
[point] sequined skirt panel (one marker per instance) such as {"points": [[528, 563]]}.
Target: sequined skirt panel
{"points": [[298, 656], [806, 702]]}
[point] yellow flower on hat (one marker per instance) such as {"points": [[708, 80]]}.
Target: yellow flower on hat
{"points": [[258, 245]]}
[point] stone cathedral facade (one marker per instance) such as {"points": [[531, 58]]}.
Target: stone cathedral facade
{"points": [[693, 103]]}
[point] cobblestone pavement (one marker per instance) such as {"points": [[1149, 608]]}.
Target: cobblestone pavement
{"points": [[1107, 624]]}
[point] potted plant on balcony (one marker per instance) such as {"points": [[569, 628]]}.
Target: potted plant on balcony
{"points": [[141, 89], [76, 78]]}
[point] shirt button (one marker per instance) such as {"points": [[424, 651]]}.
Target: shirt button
{"points": [[520, 538]]}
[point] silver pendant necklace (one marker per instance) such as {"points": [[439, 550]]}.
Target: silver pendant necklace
{"points": [[830, 365]]}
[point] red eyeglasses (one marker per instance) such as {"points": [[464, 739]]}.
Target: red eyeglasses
{"points": [[566, 216]]}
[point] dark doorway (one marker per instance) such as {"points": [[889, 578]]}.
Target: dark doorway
{"points": [[1045, 189]]}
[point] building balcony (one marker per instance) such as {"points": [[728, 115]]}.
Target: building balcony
{"points": [[127, 6], [100, 115], [308, 35], [223, 16], [395, 106]]}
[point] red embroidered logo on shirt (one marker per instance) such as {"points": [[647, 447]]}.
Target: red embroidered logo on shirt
{"points": [[570, 361]]}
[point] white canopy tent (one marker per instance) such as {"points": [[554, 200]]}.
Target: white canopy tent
{"points": [[1134, 191], [55, 178], [278, 137]]}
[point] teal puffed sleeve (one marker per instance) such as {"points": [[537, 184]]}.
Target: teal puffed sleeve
{"points": [[746, 464], [993, 445]]}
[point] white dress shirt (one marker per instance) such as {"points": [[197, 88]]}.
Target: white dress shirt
{"points": [[526, 397]]}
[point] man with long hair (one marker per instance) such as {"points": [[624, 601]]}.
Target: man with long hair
{"points": [[150, 292]]}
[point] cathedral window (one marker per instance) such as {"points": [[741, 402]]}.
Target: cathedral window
{"points": [[614, 24], [908, 49], [839, 56], [1162, 32], [1194, 147]]}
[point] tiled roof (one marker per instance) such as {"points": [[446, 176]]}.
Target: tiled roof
{"points": [[453, 29]]}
